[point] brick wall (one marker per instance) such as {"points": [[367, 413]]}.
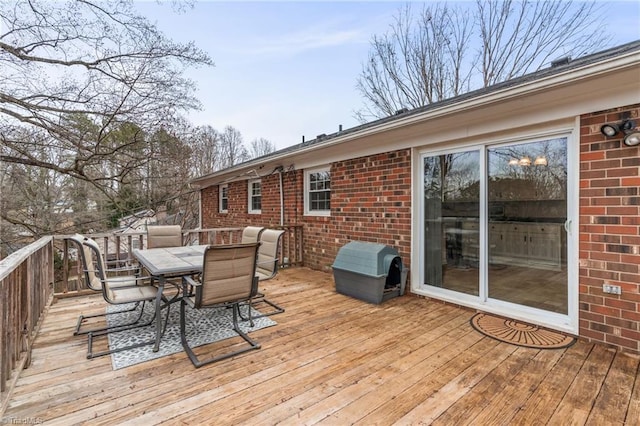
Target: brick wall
{"points": [[370, 201], [238, 206], [209, 206], [609, 232]]}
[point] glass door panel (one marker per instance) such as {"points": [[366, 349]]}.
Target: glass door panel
{"points": [[527, 206], [451, 221]]}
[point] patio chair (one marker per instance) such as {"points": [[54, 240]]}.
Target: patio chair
{"points": [[251, 234], [120, 290], [268, 254], [164, 236], [228, 279], [267, 267], [159, 236], [126, 278]]}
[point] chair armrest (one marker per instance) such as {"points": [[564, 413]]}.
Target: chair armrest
{"points": [[126, 281], [188, 285], [268, 261], [188, 280], [145, 278], [124, 269]]}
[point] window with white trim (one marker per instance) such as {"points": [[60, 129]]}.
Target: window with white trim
{"points": [[317, 193], [223, 199], [255, 196]]}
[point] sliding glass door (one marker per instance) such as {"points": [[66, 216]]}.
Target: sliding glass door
{"points": [[527, 198], [494, 224], [451, 221]]}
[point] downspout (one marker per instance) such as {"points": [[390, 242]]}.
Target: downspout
{"points": [[281, 198], [200, 209], [285, 260]]}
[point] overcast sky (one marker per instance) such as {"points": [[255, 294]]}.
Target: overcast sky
{"points": [[288, 69]]}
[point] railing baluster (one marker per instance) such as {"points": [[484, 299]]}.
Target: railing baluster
{"points": [[129, 248], [65, 267]]}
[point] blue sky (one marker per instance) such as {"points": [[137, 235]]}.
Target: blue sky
{"points": [[288, 69]]}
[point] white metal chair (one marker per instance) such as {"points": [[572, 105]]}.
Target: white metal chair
{"points": [[228, 278], [126, 278], [267, 266], [251, 234], [120, 290]]}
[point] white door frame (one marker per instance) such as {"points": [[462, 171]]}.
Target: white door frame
{"points": [[567, 323]]}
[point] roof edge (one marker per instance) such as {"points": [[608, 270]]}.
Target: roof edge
{"points": [[562, 73]]}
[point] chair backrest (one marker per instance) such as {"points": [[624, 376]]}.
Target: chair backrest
{"points": [[164, 236], [268, 253], [95, 267], [85, 259], [251, 234], [228, 274]]}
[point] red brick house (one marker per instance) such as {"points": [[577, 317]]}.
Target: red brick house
{"points": [[509, 200]]}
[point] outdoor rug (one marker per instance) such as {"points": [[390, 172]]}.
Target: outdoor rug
{"points": [[519, 333], [213, 325]]}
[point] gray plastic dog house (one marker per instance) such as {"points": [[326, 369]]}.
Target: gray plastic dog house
{"points": [[369, 271]]}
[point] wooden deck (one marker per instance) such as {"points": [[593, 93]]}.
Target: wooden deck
{"points": [[332, 360]]}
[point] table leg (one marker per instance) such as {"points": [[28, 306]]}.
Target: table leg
{"points": [[161, 282]]}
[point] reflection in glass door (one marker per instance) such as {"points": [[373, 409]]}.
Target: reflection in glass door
{"points": [[516, 250], [527, 200], [451, 221]]}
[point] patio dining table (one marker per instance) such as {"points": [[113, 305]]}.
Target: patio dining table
{"points": [[169, 262]]}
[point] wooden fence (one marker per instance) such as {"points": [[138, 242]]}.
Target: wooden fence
{"points": [[26, 284]]}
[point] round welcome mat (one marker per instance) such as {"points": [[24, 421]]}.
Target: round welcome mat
{"points": [[519, 333]]}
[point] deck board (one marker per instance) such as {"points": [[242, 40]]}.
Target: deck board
{"points": [[331, 360]]}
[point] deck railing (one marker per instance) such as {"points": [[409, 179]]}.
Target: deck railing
{"points": [[26, 284], [70, 282]]}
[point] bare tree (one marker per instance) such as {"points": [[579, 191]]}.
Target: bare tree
{"points": [[260, 147], [232, 149], [446, 51], [205, 148], [168, 179], [417, 62], [212, 150], [98, 60], [32, 201]]}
